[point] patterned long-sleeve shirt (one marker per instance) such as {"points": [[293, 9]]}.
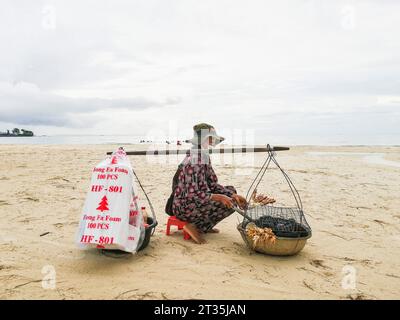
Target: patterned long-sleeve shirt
{"points": [[196, 183]]}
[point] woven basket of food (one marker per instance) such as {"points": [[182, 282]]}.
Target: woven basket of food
{"points": [[264, 240]]}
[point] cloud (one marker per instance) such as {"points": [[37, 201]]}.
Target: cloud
{"points": [[71, 64], [24, 103]]}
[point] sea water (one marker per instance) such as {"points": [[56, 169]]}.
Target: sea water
{"points": [[258, 138], [373, 158], [72, 139]]}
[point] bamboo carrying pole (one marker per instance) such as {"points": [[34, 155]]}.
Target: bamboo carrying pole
{"points": [[211, 151]]}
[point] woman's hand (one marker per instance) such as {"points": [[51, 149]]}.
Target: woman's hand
{"points": [[225, 200], [240, 201]]}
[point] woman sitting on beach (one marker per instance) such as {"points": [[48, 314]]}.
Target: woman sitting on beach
{"points": [[198, 198]]}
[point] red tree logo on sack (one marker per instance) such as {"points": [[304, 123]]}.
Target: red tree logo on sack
{"points": [[103, 205]]}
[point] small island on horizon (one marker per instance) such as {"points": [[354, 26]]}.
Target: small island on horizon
{"points": [[17, 133]]}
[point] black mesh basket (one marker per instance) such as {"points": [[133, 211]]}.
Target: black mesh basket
{"points": [[284, 222], [289, 225]]}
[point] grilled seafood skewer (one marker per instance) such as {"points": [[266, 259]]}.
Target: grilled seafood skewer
{"points": [[261, 199], [260, 235]]}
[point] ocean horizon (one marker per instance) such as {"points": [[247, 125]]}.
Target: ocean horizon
{"points": [[135, 139]]}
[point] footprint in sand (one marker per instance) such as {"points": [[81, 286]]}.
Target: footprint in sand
{"points": [[365, 262], [309, 286], [318, 263], [26, 196], [185, 248], [248, 267], [382, 223], [357, 296], [237, 249], [59, 178], [4, 267], [260, 279], [134, 295], [69, 293], [32, 199]]}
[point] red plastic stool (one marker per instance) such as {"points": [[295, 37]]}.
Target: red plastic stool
{"points": [[174, 221]]}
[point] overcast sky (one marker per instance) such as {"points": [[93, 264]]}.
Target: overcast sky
{"points": [[305, 67]]}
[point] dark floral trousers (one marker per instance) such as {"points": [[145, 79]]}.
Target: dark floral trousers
{"points": [[207, 216]]}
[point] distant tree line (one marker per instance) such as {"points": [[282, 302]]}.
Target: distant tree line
{"points": [[17, 132]]}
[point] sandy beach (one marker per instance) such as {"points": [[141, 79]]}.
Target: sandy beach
{"points": [[351, 201]]}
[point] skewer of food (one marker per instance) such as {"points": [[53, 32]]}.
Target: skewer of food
{"points": [[260, 235], [260, 200]]}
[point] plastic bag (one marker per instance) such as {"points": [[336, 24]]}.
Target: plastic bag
{"points": [[111, 218]]}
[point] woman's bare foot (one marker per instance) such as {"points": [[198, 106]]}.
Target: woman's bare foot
{"points": [[214, 230], [194, 233]]}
